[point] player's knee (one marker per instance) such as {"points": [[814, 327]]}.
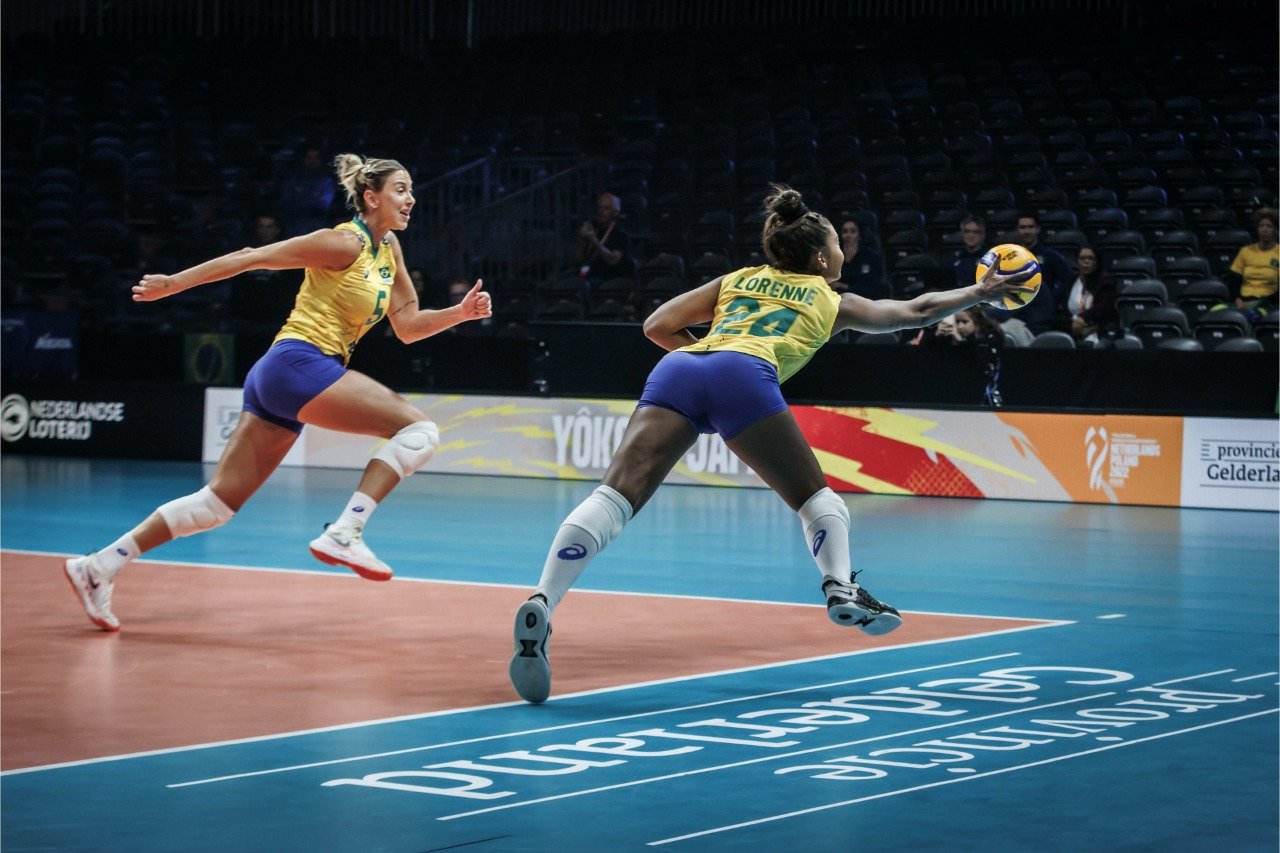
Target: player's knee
{"points": [[824, 502], [603, 515], [410, 448], [195, 513]]}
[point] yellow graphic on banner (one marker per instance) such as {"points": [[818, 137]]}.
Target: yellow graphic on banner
{"points": [[486, 465], [561, 472], [460, 444], [911, 430], [528, 431], [850, 470], [506, 410]]}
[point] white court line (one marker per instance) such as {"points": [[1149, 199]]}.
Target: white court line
{"points": [[599, 691], [1191, 677], [408, 717], [1112, 616], [773, 757], [586, 722], [955, 780], [494, 585], [1252, 677]]}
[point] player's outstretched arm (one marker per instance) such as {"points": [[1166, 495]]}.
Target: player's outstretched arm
{"points": [[890, 315], [326, 249], [412, 323]]}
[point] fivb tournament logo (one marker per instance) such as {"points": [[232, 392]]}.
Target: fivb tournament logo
{"points": [[1096, 444], [15, 414], [1112, 457]]}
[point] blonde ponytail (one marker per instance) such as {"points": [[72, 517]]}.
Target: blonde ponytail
{"points": [[356, 174]]}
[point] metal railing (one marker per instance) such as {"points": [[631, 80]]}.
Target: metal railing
{"points": [[522, 236], [474, 185]]}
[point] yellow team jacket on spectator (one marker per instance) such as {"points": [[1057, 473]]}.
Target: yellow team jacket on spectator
{"points": [[779, 316], [1259, 271], [335, 308]]}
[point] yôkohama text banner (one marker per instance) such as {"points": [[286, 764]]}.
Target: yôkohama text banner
{"points": [[1089, 458]]}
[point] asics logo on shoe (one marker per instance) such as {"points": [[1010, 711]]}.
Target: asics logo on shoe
{"points": [[573, 552], [818, 539], [88, 578], [340, 539]]}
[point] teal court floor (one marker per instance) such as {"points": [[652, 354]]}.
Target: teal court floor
{"points": [[1077, 677]]}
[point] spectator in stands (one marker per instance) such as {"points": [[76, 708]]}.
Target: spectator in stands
{"points": [[1049, 307], [1092, 300], [863, 270], [306, 195], [604, 247], [974, 327], [973, 236], [764, 327], [1255, 273], [355, 274], [941, 333], [967, 327], [260, 300]]}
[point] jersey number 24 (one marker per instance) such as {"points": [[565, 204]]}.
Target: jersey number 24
{"points": [[742, 308]]}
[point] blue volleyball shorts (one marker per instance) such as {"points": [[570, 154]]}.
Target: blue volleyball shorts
{"points": [[721, 392], [290, 375]]}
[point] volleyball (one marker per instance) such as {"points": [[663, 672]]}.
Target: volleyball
{"points": [[1013, 259]]}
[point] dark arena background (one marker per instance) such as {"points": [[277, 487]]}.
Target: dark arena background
{"points": [[1078, 525]]}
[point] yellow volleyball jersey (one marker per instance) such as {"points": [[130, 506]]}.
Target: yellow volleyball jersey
{"points": [[1259, 271], [779, 316], [335, 308]]}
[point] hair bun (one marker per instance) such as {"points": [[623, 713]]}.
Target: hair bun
{"points": [[795, 216], [787, 204]]}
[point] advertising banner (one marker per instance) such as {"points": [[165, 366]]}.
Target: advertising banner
{"points": [[516, 436], [41, 344], [115, 420], [1117, 459], [1231, 464]]}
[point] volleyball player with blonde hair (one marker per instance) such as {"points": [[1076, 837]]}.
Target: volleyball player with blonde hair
{"points": [[766, 323], [355, 275]]}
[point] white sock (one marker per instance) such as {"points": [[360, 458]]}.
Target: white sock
{"points": [[826, 530], [357, 513], [117, 555], [595, 523]]}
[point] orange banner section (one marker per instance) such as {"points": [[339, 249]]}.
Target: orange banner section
{"points": [[1122, 459]]}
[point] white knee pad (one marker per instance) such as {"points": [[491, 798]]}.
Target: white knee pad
{"points": [[410, 448], [824, 503], [602, 515], [195, 513]]}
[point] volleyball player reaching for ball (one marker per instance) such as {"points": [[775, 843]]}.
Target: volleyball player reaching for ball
{"points": [[766, 323], [355, 274]]}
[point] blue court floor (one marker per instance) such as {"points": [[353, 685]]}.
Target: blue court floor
{"points": [[1141, 715]]}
